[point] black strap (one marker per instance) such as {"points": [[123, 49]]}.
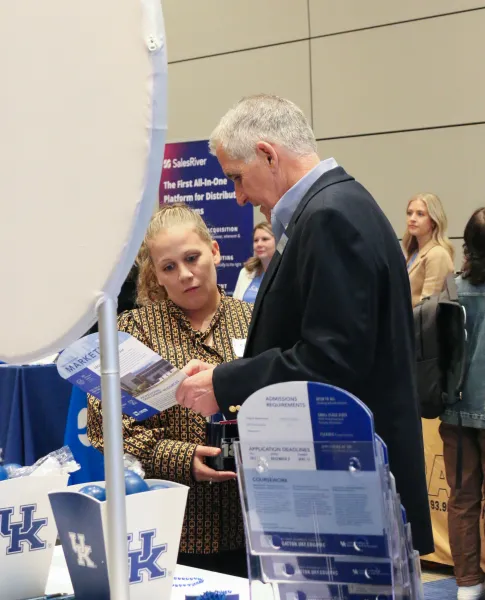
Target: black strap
{"points": [[426, 345], [451, 287], [459, 454], [464, 367]]}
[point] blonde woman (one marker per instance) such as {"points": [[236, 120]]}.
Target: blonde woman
{"points": [[429, 253], [252, 273], [183, 315]]}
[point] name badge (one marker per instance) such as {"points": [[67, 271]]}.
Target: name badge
{"points": [[282, 243], [238, 345]]}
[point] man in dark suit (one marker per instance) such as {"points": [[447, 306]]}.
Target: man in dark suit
{"points": [[334, 305]]}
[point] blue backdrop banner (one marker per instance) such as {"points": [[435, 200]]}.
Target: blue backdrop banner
{"points": [[193, 176]]}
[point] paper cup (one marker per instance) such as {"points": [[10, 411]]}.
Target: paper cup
{"points": [[154, 520], [27, 534]]}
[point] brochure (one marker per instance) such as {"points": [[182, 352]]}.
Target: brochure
{"points": [[319, 591], [148, 381], [311, 477]]}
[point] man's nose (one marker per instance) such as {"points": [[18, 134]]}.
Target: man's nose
{"points": [[241, 197]]}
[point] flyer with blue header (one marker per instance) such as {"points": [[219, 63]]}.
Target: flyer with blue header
{"points": [[148, 381], [311, 476], [332, 569], [318, 591]]}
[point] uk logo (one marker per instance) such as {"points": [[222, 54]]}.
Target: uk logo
{"points": [[23, 534], [145, 558], [82, 550]]}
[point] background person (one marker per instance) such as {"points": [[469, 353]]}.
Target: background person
{"points": [[464, 504], [429, 253], [252, 273]]}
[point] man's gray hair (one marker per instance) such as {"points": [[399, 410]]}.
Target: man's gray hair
{"points": [[263, 118]]}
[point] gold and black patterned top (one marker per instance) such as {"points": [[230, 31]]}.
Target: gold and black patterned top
{"points": [[165, 443]]}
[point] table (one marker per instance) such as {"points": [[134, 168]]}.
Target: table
{"points": [[34, 401], [187, 580]]}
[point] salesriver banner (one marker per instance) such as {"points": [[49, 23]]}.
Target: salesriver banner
{"points": [[193, 176]]}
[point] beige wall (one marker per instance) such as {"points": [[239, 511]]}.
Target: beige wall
{"points": [[394, 89]]}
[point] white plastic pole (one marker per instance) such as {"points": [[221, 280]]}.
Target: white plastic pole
{"points": [[117, 548]]}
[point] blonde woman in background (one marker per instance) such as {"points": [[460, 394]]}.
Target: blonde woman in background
{"points": [[252, 273], [184, 315], [429, 253]]}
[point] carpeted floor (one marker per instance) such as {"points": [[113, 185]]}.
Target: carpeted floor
{"points": [[444, 589]]}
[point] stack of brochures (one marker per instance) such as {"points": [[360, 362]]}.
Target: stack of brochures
{"points": [[322, 517]]}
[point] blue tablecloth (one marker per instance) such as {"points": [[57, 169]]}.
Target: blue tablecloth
{"points": [[34, 402]]}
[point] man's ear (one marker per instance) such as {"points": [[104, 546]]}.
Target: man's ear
{"points": [[268, 154]]}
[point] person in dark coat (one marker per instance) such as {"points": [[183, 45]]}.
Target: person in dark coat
{"points": [[127, 296], [335, 303]]}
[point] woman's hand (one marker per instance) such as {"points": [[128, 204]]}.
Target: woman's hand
{"points": [[202, 472]]}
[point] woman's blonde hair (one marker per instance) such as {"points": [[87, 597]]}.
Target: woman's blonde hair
{"points": [[254, 263], [440, 225], [148, 290]]}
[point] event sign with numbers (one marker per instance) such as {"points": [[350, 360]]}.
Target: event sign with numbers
{"points": [[193, 176]]}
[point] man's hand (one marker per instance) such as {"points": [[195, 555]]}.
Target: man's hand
{"points": [[196, 392], [202, 472], [196, 366]]}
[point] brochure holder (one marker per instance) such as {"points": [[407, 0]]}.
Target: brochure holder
{"points": [[322, 517]]}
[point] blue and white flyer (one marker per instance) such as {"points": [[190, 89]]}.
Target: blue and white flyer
{"points": [[318, 591], [148, 382], [310, 474], [331, 569]]}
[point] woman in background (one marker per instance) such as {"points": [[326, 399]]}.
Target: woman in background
{"points": [[464, 504], [184, 315], [429, 253], [252, 273]]}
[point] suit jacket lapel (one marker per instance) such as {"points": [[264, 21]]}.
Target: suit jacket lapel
{"points": [[332, 177], [421, 255], [415, 264]]}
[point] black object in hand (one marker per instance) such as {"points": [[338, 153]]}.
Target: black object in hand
{"points": [[222, 435]]}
